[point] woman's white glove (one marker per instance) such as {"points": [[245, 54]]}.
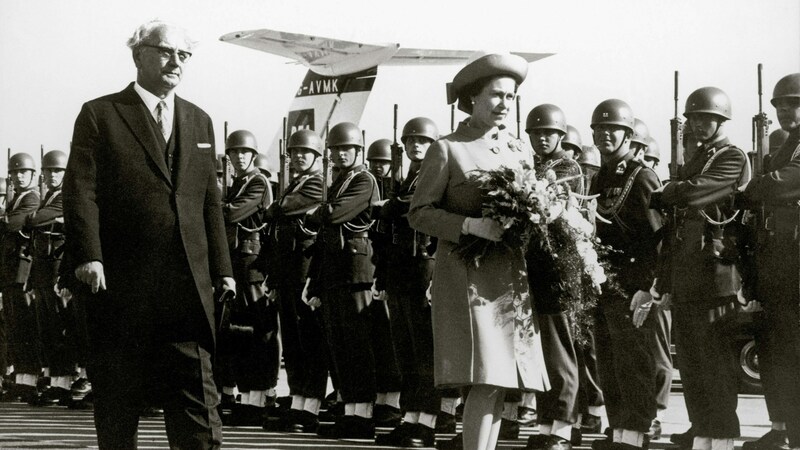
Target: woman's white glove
{"points": [[640, 305], [483, 227]]}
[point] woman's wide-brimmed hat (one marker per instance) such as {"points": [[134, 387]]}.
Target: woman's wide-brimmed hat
{"points": [[496, 64]]}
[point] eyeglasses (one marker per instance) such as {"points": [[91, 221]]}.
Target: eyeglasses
{"points": [[166, 53]]}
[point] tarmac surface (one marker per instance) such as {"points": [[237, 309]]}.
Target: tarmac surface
{"points": [[26, 427]]}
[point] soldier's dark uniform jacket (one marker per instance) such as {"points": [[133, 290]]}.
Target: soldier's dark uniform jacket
{"points": [[704, 260], [13, 241], [47, 228], [248, 197], [344, 223]]}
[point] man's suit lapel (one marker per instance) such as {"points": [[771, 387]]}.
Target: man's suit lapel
{"points": [[135, 114], [184, 117]]}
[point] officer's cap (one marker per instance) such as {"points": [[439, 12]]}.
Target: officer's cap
{"points": [[490, 65]]}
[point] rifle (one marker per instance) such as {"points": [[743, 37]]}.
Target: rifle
{"points": [[226, 175], [396, 165], [518, 119], [284, 170], [42, 187], [676, 138], [9, 182], [760, 132], [452, 118]]}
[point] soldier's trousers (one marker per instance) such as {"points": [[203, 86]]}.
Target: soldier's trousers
{"points": [[348, 329], [782, 316], [24, 342], [387, 368], [561, 362], [589, 391], [413, 342], [54, 316], [305, 350], [626, 365], [708, 365], [662, 355]]}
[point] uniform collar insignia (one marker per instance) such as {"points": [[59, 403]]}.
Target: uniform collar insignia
{"points": [[621, 167]]}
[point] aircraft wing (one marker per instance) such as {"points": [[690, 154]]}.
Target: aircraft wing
{"points": [[335, 57]]}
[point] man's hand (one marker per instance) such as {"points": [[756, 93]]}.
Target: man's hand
{"points": [[91, 273], [640, 305]]}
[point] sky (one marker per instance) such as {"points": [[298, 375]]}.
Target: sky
{"points": [[58, 54]]}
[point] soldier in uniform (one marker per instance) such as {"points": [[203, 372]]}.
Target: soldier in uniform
{"points": [[263, 165], [777, 192], [410, 266], [387, 403], [590, 164], [546, 126], [703, 278], [343, 278], [652, 155], [46, 227], [623, 328], [572, 143], [640, 139], [252, 341], [305, 352], [20, 308]]}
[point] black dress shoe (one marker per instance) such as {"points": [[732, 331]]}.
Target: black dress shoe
{"points": [[386, 416], [591, 423], [419, 436], [295, 421], [547, 442], [445, 423], [53, 396], [79, 389], [772, 440], [509, 429], [526, 416], [395, 437], [227, 401], [683, 440], [349, 427], [247, 416]]}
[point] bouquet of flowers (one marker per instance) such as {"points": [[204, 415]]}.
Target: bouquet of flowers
{"points": [[542, 217]]}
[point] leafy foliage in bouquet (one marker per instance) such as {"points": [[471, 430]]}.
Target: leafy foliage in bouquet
{"points": [[542, 218]]}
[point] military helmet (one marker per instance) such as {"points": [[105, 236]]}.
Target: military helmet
{"points": [[420, 126], [345, 133], [547, 117], [380, 150], [21, 161], [54, 159], [241, 139], [261, 164], [641, 134], [613, 112], [572, 141], [220, 164], [776, 139], [590, 156], [787, 87], [652, 149], [708, 100], [3, 186], [307, 139]]}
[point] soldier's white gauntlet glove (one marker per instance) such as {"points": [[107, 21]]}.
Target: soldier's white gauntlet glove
{"points": [[640, 305]]}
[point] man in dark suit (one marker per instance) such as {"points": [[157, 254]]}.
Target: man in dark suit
{"points": [[145, 232]]}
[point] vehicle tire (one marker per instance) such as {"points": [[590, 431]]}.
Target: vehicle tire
{"points": [[749, 375]]}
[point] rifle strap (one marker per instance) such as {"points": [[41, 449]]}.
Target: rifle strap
{"points": [[375, 191], [738, 183]]}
